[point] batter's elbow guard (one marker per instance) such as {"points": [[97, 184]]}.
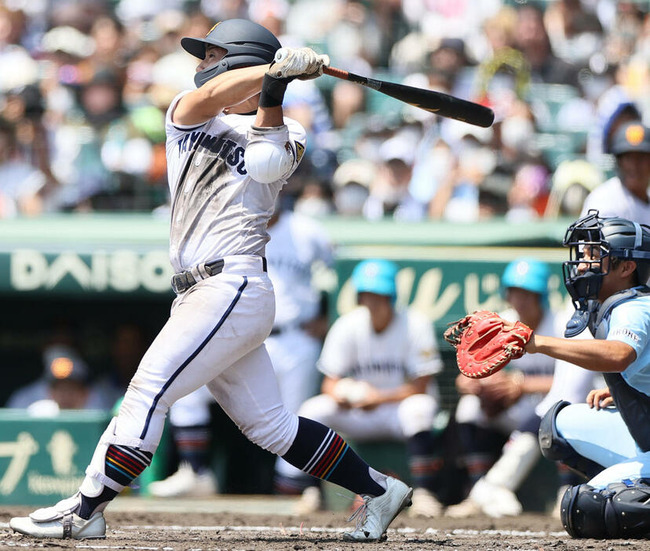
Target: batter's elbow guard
{"points": [[556, 448], [269, 156]]}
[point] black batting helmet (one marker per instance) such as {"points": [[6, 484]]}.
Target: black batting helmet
{"points": [[246, 44]]}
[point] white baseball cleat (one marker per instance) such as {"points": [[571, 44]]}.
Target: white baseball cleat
{"points": [[376, 513], [185, 482], [60, 522], [425, 504]]}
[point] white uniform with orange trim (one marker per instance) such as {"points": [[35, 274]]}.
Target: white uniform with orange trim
{"points": [[216, 331]]}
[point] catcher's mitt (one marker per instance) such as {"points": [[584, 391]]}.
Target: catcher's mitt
{"points": [[483, 345]]}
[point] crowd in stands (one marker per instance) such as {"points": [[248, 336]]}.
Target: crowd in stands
{"points": [[84, 85]]}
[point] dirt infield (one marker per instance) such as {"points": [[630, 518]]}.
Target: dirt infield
{"points": [[190, 530]]}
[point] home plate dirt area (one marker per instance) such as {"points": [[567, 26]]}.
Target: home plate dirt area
{"points": [[252, 523]]}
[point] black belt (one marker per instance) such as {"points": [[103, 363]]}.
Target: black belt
{"points": [[182, 281]]}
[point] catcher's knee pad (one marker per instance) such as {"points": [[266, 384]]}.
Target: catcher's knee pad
{"points": [[557, 448], [416, 414], [619, 511]]}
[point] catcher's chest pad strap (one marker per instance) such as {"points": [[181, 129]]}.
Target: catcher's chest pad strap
{"points": [[599, 326], [634, 407]]}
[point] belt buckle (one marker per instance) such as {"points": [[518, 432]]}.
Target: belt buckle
{"points": [[181, 282]]}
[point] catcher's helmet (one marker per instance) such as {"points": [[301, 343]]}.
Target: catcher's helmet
{"points": [[604, 237], [527, 273], [376, 276], [631, 136], [246, 44]]}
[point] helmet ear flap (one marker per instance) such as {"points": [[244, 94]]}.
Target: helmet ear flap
{"points": [[202, 77]]}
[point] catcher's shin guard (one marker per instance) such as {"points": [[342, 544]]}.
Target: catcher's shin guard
{"points": [[556, 448], [619, 511]]}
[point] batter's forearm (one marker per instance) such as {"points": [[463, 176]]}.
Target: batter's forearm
{"points": [[226, 90]]}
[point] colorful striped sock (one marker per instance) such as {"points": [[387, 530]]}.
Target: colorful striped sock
{"points": [[321, 452], [193, 445], [425, 460], [125, 463]]}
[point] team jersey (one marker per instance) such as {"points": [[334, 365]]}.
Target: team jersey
{"points": [[217, 210], [612, 198], [404, 351], [296, 244], [629, 322]]}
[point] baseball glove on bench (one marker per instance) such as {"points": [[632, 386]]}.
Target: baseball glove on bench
{"points": [[486, 343]]}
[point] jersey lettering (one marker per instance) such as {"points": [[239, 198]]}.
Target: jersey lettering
{"points": [[226, 149]]}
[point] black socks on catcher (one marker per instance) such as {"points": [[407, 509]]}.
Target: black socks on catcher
{"points": [[321, 452]]}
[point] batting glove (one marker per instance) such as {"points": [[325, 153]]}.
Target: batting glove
{"points": [[301, 63]]}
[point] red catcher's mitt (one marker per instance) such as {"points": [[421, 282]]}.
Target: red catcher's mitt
{"points": [[483, 345]]}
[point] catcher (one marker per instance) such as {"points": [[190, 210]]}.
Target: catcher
{"points": [[608, 437], [498, 410]]}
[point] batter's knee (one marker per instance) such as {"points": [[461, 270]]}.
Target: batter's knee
{"points": [[275, 432], [416, 413]]}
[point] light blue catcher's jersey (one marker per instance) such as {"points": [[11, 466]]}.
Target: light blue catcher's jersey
{"points": [[629, 322]]}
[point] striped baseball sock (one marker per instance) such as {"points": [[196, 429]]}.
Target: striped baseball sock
{"points": [[425, 460], [193, 445], [321, 452], [122, 464], [125, 463]]}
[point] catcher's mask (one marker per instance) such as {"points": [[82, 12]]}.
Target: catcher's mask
{"points": [[246, 44], [591, 240]]}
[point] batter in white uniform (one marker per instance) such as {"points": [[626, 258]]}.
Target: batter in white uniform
{"points": [[298, 246], [229, 151]]}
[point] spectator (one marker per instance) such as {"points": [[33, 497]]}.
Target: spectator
{"points": [[378, 364], [528, 195], [20, 182], [531, 38], [572, 182], [352, 181], [389, 192]]}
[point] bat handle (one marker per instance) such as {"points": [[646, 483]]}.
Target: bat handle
{"points": [[334, 72]]}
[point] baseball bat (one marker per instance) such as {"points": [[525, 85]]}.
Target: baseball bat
{"points": [[438, 103]]}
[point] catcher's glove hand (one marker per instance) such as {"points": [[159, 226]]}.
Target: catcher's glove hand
{"points": [[485, 342]]}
